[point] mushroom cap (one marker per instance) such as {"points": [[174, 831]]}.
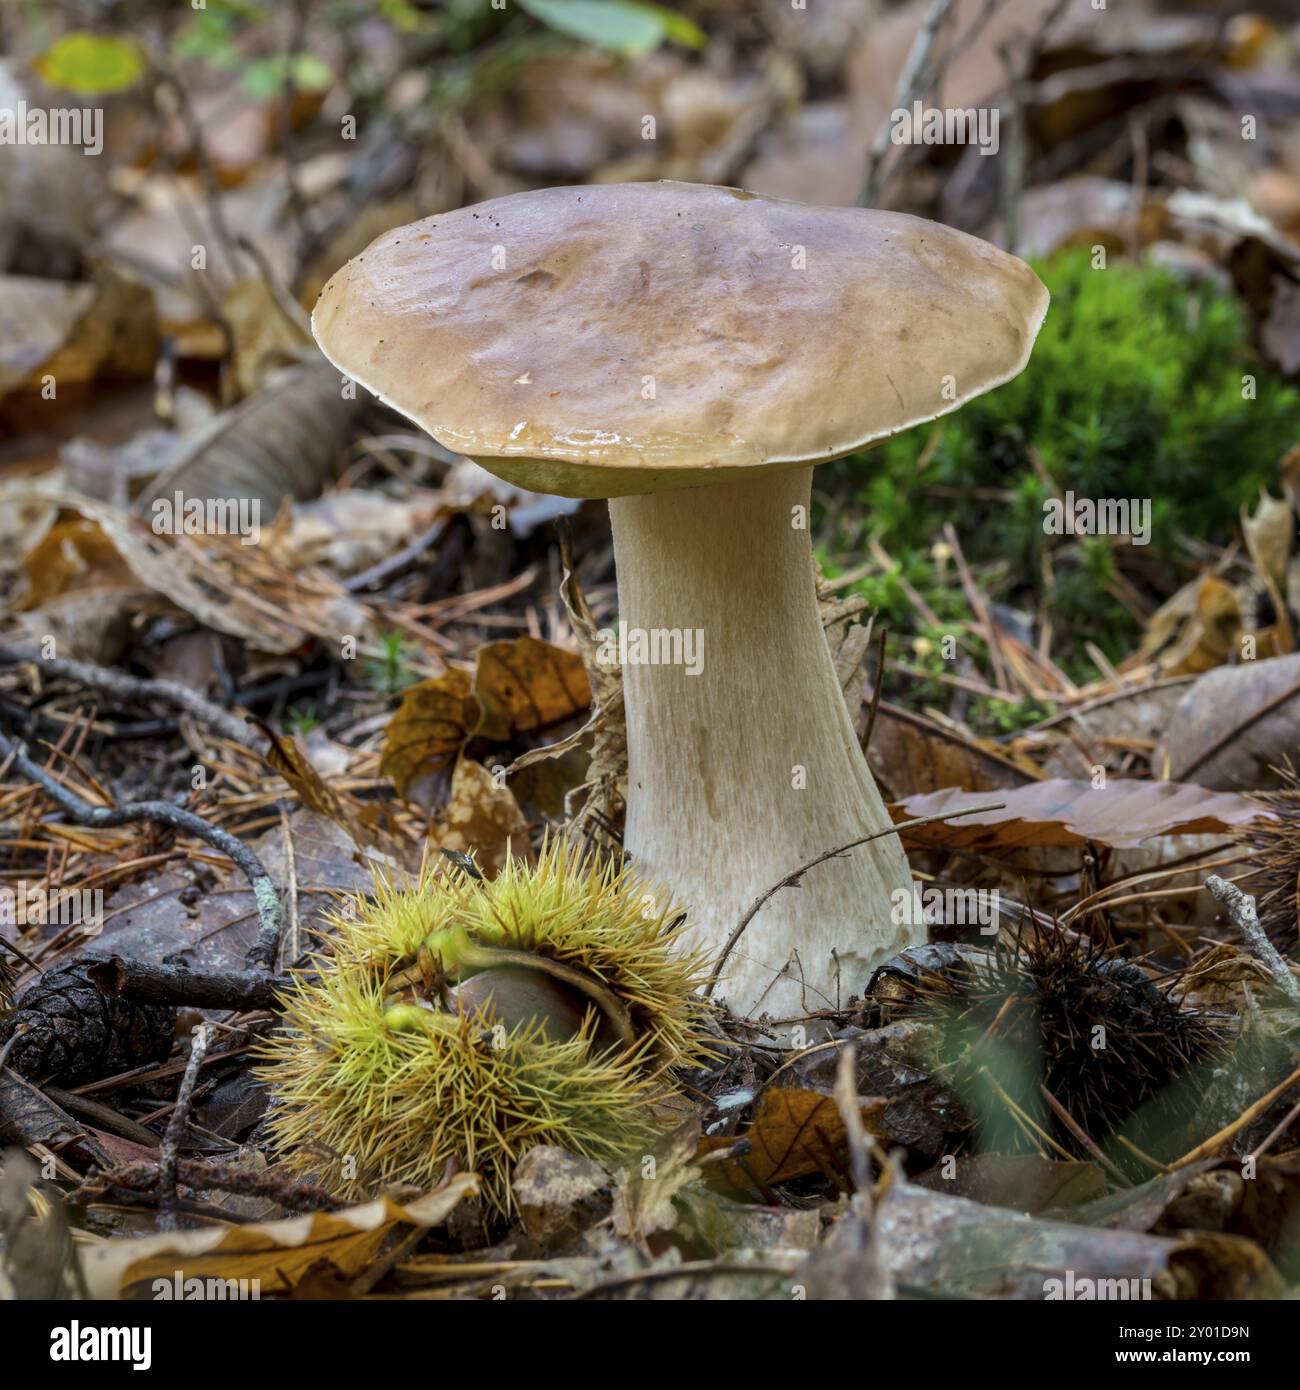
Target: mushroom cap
{"points": [[617, 339]]}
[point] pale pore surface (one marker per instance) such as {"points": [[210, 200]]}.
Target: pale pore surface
{"points": [[625, 338], [712, 808]]}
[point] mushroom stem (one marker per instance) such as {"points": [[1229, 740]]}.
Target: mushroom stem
{"points": [[747, 768]]}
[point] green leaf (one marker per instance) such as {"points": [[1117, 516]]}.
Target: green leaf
{"points": [[402, 15], [263, 80], [627, 29], [91, 64], [675, 26]]}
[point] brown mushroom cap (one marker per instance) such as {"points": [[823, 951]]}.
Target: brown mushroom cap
{"points": [[619, 339]]}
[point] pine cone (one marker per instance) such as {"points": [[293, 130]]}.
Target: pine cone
{"points": [[76, 1034]]}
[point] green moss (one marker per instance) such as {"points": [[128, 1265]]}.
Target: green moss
{"points": [[1134, 391]]}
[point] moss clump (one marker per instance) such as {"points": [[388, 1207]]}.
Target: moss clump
{"points": [[1134, 390], [384, 1073]]}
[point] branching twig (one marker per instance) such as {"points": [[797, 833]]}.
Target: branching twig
{"points": [[199, 1173], [791, 880], [82, 812], [179, 986], [1240, 908], [137, 691], [168, 1196], [910, 83]]}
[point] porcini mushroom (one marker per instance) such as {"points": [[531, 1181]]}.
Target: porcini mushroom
{"points": [[689, 353]]}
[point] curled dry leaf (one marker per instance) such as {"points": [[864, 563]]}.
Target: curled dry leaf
{"points": [[795, 1131], [517, 686], [281, 442], [481, 818], [360, 820], [1235, 725], [1195, 630], [224, 584], [646, 1193], [910, 754], [1122, 814], [276, 1253], [73, 332], [603, 795]]}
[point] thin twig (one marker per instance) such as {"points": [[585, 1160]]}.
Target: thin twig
{"points": [[131, 688], [846, 1101], [877, 688], [82, 812], [1228, 1131], [791, 880], [1240, 908], [1082, 1136], [168, 1196], [910, 83]]}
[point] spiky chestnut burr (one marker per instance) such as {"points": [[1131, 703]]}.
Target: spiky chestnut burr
{"points": [[462, 1020], [1061, 1013]]}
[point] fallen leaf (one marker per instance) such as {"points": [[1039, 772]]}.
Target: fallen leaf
{"points": [[72, 333], [1122, 814], [280, 442], [359, 819], [910, 754], [276, 1253], [526, 684], [433, 723], [1235, 725], [517, 686], [481, 818], [795, 1131], [644, 1201]]}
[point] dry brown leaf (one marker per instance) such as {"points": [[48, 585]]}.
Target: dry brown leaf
{"points": [[482, 818], [605, 786], [644, 1199], [1269, 533], [277, 1253], [1122, 814], [910, 754], [264, 337], [155, 563], [517, 686], [75, 555], [360, 820], [433, 723], [1194, 630], [795, 1131], [526, 684], [1235, 725], [280, 442]]}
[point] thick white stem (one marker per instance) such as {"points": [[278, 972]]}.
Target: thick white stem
{"points": [[747, 768]]}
